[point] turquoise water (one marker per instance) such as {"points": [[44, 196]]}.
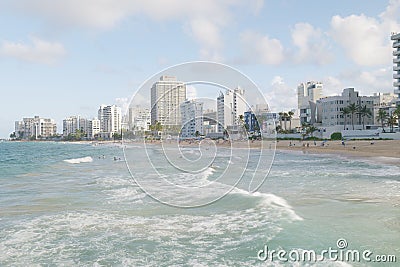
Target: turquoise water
{"points": [[73, 205]]}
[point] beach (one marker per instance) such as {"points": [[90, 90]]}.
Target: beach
{"points": [[387, 150]]}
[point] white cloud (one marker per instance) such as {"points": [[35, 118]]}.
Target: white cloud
{"points": [[332, 86], [205, 18], [311, 44], [40, 51], [123, 103], [280, 96], [366, 39], [369, 81], [261, 49], [191, 92], [208, 36]]}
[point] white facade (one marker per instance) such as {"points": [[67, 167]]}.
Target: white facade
{"points": [[229, 107], [330, 109], [167, 95], [35, 127], [396, 64], [93, 128], [139, 119], [307, 96], [110, 119], [192, 119]]}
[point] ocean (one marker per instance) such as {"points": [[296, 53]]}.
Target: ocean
{"points": [[65, 204]]}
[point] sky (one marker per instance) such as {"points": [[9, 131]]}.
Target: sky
{"points": [[66, 57]]}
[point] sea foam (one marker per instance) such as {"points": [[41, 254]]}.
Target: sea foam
{"points": [[79, 160]]}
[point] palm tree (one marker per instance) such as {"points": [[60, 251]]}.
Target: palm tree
{"points": [[290, 116], [364, 112], [345, 113], [285, 117], [280, 118], [392, 121], [310, 130], [397, 113], [353, 109], [382, 116]]}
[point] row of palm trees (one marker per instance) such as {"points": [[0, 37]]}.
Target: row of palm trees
{"points": [[389, 119], [353, 109], [286, 117]]}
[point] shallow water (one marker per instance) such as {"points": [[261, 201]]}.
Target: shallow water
{"points": [[66, 204]]}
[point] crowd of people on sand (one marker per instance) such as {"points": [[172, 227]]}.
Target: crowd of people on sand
{"points": [[323, 143]]}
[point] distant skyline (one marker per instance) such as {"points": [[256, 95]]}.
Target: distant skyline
{"points": [[67, 57]]}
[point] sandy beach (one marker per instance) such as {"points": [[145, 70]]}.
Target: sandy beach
{"points": [[384, 150]]}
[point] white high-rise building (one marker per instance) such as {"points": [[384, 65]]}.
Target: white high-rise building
{"points": [[139, 119], [396, 64], [93, 128], [307, 96], [35, 127], [229, 108], [192, 119], [110, 119], [74, 123], [167, 95]]}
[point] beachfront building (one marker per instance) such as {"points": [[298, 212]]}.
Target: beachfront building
{"points": [[93, 128], [110, 120], [229, 108], [167, 95], [192, 119], [210, 124], [35, 127], [250, 122], [73, 123], [396, 64], [330, 109], [139, 119], [307, 95]]}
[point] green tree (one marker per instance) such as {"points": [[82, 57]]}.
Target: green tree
{"points": [[382, 117], [397, 113], [364, 112], [353, 110], [392, 119], [289, 117], [345, 112], [280, 119]]}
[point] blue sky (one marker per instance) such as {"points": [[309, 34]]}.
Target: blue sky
{"points": [[66, 57]]}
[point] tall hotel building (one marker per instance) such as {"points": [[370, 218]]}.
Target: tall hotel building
{"points": [[110, 119], [192, 119], [229, 108], [167, 95], [396, 64], [307, 96]]}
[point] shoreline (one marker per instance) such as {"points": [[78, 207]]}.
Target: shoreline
{"points": [[384, 151]]}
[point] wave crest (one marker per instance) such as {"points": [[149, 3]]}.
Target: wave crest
{"points": [[79, 160]]}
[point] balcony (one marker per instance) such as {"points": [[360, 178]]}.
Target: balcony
{"points": [[396, 76], [396, 44], [396, 68], [396, 60], [396, 84], [396, 53]]}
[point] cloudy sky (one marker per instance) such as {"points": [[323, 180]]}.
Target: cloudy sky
{"points": [[66, 57]]}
